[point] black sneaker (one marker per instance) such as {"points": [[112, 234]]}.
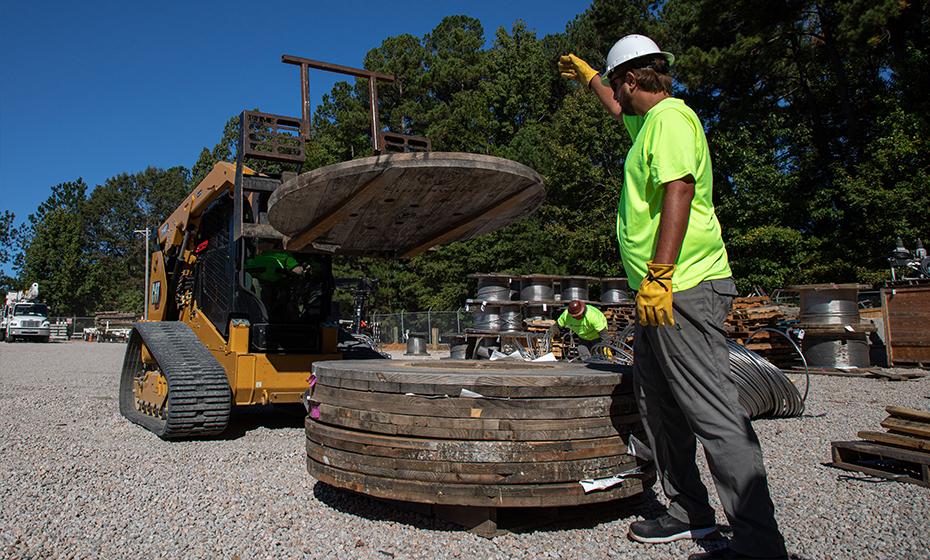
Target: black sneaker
{"points": [[667, 529]]}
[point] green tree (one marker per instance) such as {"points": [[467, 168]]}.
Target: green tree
{"points": [[53, 250]]}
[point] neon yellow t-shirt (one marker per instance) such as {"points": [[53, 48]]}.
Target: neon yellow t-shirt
{"points": [[588, 327], [668, 144]]}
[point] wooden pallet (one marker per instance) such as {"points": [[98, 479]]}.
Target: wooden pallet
{"points": [[902, 453], [886, 461]]}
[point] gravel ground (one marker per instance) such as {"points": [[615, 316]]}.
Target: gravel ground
{"points": [[79, 481]]}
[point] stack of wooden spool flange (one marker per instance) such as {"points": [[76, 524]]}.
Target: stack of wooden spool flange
{"points": [[472, 433], [834, 335]]}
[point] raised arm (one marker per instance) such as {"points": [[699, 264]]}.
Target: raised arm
{"points": [[573, 68]]}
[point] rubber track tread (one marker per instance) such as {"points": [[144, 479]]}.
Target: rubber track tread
{"points": [[199, 398]]}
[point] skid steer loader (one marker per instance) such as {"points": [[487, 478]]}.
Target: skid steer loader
{"points": [[239, 309]]}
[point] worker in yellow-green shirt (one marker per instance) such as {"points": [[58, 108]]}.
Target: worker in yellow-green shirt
{"points": [[584, 320], [672, 249]]}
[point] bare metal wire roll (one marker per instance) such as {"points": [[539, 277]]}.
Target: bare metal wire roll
{"points": [[575, 292], [535, 289], [489, 319], [511, 318], [494, 293], [764, 390]]}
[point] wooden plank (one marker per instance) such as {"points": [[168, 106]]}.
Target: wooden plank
{"points": [[471, 473], [902, 465], [542, 408], [496, 391], [426, 449], [503, 495], [465, 373], [473, 428], [919, 444], [908, 413], [898, 426], [358, 199]]}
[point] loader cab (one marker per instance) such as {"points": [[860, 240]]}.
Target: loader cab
{"points": [[286, 297]]}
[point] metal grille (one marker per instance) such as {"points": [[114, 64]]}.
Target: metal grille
{"points": [[216, 270], [394, 142], [271, 137]]}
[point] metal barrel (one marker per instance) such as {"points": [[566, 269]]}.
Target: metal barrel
{"points": [[489, 319], [416, 345], [511, 318], [495, 288], [614, 290], [536, 289]]}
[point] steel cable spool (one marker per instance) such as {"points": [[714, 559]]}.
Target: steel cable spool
{"points": [[511, 318], [536, 289], [495, 288], [614, 290], [489, 319], [536, 312], [574, 288]]}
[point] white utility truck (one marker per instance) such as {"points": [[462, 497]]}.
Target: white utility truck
{"points": [[23, 317]]}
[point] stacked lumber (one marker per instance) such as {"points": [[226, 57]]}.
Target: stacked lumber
{"points": [[113, 319], [900, 453], [748, 315], [473, 434]]}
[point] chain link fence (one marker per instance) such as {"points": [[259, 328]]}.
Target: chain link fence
{"points": [[393, 328]]}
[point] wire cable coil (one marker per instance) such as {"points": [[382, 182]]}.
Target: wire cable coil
{"points": [[764, 390]]}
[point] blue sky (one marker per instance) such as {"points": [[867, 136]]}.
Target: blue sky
{"points": [[92, 89]]}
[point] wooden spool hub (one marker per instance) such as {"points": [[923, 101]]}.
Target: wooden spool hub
{"points": [[403, 431]]}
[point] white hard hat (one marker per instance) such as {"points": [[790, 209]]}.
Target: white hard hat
{"points": [[630, 47]]}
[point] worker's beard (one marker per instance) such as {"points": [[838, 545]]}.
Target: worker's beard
{"points": [[626, 103]]}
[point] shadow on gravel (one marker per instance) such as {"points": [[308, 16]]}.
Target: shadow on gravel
{"points": [[513, 520], [273, 417]]}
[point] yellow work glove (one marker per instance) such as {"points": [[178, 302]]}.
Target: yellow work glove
{"points": [[654, 299], [573, 68]]}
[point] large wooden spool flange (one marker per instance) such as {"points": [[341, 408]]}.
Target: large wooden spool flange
{"points": [[401, 430], [399, 205]]}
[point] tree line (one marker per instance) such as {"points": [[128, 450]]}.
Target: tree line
{"points": [[815, 113]]}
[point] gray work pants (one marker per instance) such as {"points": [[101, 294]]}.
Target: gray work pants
{"points": [[683, 391]]}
